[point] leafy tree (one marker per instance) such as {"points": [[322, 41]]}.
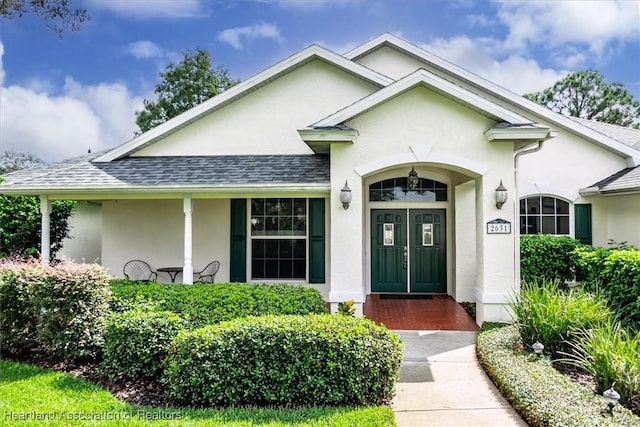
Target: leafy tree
{"points": [[585, 94], [184, 85], [58, 15], [11, 161], [20, 218]]}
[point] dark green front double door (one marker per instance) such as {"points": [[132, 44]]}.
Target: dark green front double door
{"points": [[408, 251]]}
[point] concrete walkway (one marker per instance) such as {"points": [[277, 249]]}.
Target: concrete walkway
{"points": [[442, 384]]}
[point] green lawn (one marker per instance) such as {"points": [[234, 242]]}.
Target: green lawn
{"points": [[35, 396]]}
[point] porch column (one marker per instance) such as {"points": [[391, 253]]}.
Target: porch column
{"points": [[187, 271], [494, 249], [45, 230]]}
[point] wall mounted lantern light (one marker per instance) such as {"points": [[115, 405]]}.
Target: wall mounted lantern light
{"points": [[413, 179], [345, 196], [501, 195]]}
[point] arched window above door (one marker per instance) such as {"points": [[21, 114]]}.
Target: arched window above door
{"points": [[397, 190]]}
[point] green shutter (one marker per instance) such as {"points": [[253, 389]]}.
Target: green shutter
{"points": [[316, 241], [583, 223], [238, 264]]}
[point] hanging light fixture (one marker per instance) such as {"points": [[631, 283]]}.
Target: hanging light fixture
{"points": [[345, 196], [501, 195], [413, 179]]}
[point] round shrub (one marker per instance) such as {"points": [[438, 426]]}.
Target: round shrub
{"points": [[203, 304], [71, 305], [17, 316], [547, 257], [136, 343], [285, 361]]}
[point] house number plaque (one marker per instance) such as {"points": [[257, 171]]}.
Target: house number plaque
{"points": [[499, 226]]}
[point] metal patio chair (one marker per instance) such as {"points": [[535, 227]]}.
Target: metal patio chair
{"points": [[208, 274], [139, 271]]}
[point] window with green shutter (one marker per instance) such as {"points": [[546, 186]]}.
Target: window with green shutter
{"points": [[583, 223]]}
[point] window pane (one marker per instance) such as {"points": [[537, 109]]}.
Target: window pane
{"points": [[533, 224], [271, 248], [523, 206], [563, 225], [257, 269], [548, 225], [523, 225], [271, 225], [257, 207], [375, 195], [299, 268], [299, 248], [285, 226], [257, 248], [548, 205], [271, 269], [562, 207], [271, 206], [533, 205]]}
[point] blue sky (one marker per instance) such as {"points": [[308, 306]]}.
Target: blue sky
{"points": [[61, 97]]}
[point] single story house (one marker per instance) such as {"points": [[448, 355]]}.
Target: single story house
{"points": [[383, 170]]}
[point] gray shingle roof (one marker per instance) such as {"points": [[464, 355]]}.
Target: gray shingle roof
{"points": [[625, 180], [172, 172], [625, 135]]}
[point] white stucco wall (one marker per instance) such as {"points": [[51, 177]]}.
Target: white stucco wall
{"points": [[390, 62], [153, 230], [465, 242], [388, 135], [616, 218], [85, 242], [266, 120]]}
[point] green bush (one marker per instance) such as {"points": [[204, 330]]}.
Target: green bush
{"points": [[617, 274], [17, 315], [545, 257], [203, 304], [285, 361], [611, 355], [552, 316], [542, 395], [136, 343], [63, 307], [72, 305]]}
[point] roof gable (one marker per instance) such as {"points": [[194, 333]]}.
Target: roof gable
{"points": [[309, 54], [435, 83], [484, 88]]}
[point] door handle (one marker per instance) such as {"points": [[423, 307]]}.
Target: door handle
{"points": [[406, 255]]}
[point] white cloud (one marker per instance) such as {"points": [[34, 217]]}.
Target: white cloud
{"points": [[236, 37], [555, 23], [144, 49], [146, 9], [55, 127], [516, 73]]}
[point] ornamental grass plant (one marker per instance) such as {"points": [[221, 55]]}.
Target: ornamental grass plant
{"points": [[611, 355], [546, 313]]}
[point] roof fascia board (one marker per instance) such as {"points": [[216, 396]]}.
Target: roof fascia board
{"points": [[306, 55], [416, 78], [151, 191], [498, 91]]}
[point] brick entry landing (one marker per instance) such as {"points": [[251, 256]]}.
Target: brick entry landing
{"points": [[441, 312]]}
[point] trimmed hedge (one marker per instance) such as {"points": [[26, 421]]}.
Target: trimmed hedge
{"points": [[542, 395], [136, 343], [68, 306], [617, 274], [285, 361], [545, 257], [203, 304]]}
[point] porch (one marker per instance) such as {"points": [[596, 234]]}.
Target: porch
{"points": [[431, 312]]}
